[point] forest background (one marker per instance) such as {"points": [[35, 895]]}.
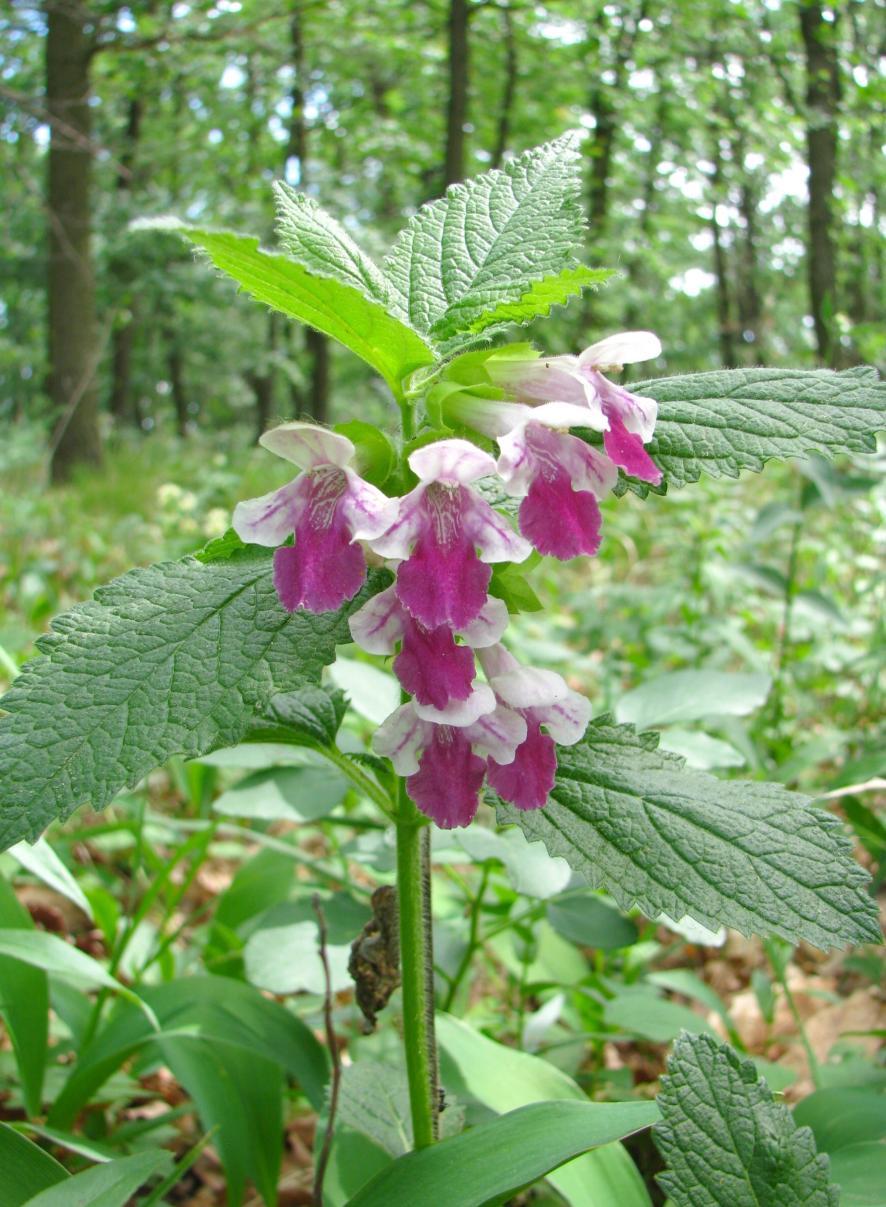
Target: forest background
{"points": [[732, 170]]}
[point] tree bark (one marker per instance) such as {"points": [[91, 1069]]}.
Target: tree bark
{"points": [[72, 335], [822, 104], [509, 89], [123, 336], [750, 304], [175, 368], [316, 344], [721, 266], [457, 107]]}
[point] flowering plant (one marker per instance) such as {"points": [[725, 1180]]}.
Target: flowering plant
{"points": [[413, 548]]}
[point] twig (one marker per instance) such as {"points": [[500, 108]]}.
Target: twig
{"points": [[323, 1158]]}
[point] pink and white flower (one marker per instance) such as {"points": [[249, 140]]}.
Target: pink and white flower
{"points": [[543, 699], [627, 420], [444, 752], [430, 665], [445, 535], [631, 416], [328, 507]]}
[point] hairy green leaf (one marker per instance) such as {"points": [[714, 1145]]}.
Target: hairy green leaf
{"points": [[738, 419], [340, 311], [726, 1140], [321, 244], [483, 252], [639, 823], [173, 659], [315, 712]]}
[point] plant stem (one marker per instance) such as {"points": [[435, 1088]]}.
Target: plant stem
{"points": [[418, 1003]]}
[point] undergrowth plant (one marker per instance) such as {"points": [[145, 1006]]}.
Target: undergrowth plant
{"points": [[418, 546]]}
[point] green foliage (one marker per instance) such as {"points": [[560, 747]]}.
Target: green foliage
{"points": [[733, 420], [366, 327], [675, 841], [175, 659], [27, 1169], [495, 1159], [109, 1185], [24, 1003], [477, 257], [727, 1141]]}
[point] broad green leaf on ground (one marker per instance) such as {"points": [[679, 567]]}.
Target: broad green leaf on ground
{"points": [[504, 1079], [584, 919], [285, 793], [636, 821], [173, 659], [640, 1011], [224, 1013], [54, 956], [732, 420], [495, 1159], [858, 1171], [726, 1140], [111, 1185], [26, 1168], [842, 1116], [41, 861], [340, 311], [692, 696], [488, 243], [374, 1100], [24, 1004], [321, 244]]}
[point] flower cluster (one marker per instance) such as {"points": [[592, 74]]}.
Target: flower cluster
{"points": [[441, 540]]}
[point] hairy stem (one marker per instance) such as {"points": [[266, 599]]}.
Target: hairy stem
{"points": [[415, 956]]}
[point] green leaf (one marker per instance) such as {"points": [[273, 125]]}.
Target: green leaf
{"points": [[503, 1079], [584, 919], [111, 1185], [41, 861], [374, 1100], [643, 1013], [172, 659], [858, 1171], [637, 822], [24, 1004], [738, 419], [284, 794], [727, 1141], [842, 1116], [488, 243], [27, 1169], [315, 712], [692, 696], [340, 311], [538, 300], [321, 244], [227, 1014], [491, 1162], [58, 958]]}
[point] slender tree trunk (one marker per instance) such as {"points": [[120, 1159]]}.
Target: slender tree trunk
{"points": [[73, 338], [721, 266], [750, 304], [822, 103], [509, 89], [123, 336], [175, 368], [316, 344], [457, 107]]}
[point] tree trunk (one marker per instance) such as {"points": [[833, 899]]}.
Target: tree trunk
{"points": [[73, 339], [316, 344], [175, 368], [822, 101], [123, 336], [721, 266], [509, 89], [457, 108], [750, 304]]}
